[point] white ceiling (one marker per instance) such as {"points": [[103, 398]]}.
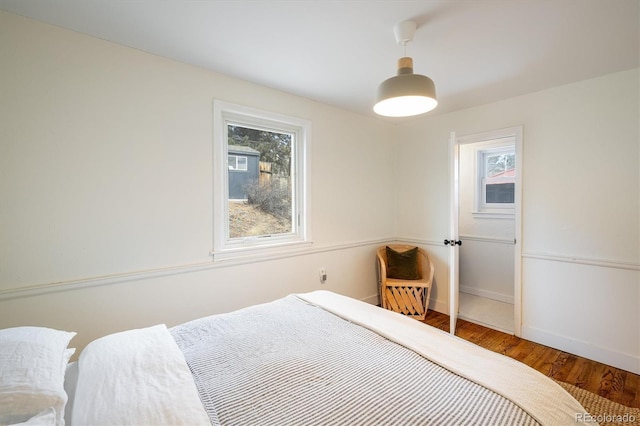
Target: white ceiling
{"points": [[337, 52]]}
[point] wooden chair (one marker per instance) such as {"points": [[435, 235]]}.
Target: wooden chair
{"points": [[409, 297]]}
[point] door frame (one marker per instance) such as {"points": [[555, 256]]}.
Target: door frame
{"points": [[454, 160], [454, 259]]}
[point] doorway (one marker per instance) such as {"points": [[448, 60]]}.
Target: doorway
{"points": [[487, 217]]}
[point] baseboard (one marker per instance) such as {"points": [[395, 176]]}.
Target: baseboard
{"points": [[373, 299], [584, 349], [439, 306], [488, 294], [484, 324]]}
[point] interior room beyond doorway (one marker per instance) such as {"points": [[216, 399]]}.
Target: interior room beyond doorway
{"points": [[487, 228]]}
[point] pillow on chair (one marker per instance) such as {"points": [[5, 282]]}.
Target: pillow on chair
{"points": [[403, 265]]}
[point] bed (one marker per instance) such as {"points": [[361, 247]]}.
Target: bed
{"points": [[317, 358]]}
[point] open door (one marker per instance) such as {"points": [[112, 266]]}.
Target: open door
{"points": [[453, 241]]}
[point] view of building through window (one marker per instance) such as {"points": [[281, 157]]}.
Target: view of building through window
{"points": [[260, 185]]}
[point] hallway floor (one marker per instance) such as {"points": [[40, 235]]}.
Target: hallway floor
{"points": [[488, 312]]}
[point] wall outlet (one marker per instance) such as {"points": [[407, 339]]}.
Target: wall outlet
{"points": [[323, 275]]}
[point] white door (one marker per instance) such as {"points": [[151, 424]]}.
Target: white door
{"points": [[452, 240]]}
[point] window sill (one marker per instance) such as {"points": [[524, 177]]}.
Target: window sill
{"points": [[251, 254], [494, 214]]}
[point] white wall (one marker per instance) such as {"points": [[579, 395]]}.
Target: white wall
{"points": [[106, 189], [486, 268], [580, 215]]}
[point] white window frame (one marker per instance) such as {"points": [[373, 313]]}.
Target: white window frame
{"points": [[484, 180], [488, 148], [225, 113], [236, 167]]}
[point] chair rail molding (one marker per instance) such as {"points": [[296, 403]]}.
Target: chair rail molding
{"points": [[605, 263], [43, 288]]}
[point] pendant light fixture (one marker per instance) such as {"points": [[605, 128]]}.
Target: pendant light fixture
{"points": [[405, 94]]}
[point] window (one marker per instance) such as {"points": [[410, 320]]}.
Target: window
{"points": [[496, 176], [498, 180], [265, 207], [237, 163]]}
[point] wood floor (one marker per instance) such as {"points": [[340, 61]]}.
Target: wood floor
{"points": [[612, 383]]}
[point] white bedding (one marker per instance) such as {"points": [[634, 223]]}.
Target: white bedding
{"points": [[141, 376], [32, 365], [291, 363], [137, 377], [540, 396]]}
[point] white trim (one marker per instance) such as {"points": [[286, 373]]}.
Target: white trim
{"points": [[625, 361], [485, 324], [490, 136], [439, 306], [454, 218], [494, 214], [247, 253], [482, 150], [501, 297], [603, 263], [418, 241], [517, 258], [373, 299], [487, 239], [54, 287], [224, 113], [440, 244], [482, 209]]}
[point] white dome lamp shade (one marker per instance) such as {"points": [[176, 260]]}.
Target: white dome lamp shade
{"points": [[406, 94]]}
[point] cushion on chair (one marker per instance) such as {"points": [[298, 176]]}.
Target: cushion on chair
{"points": [[403, 265]]}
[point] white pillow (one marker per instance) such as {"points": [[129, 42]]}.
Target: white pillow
{"points": [[136, 377], [70, 383], [46, 418], [32, 365]]}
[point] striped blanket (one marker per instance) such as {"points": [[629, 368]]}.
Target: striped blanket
{"points": [[290, 362]]}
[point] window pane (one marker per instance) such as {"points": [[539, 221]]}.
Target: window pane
{"points": [[242, 163], [231, 160], [500, 165], [500, 193], [265, 188]]}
